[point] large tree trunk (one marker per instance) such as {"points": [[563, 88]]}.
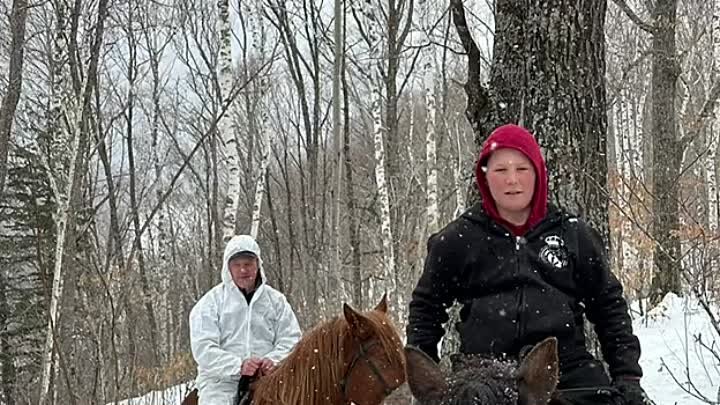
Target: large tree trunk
{"points": [[667, 153], [548, 74], [10, 100]]}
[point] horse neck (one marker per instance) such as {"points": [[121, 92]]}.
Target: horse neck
{"points": [[306, 379]]}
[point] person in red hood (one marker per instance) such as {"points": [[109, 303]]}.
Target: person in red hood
{"points": [[524, 270]]}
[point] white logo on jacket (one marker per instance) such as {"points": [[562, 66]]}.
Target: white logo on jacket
{"points": [[554, 252]]}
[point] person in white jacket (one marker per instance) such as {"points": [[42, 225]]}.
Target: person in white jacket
{"points": [[241, 327]]}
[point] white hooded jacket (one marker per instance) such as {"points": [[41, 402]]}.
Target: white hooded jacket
{"points": [[225, 329]]}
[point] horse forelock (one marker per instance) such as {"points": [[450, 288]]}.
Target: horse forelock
{"points": [[485, 381], [389, 339]]}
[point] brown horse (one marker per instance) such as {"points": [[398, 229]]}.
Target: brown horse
{"points": [[355, 358]]}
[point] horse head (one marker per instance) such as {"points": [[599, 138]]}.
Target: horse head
{"points": [[374, 358], [482, 381]]}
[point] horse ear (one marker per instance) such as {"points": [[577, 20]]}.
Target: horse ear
{"points": [[358, 324], [424, 377], [382, 305], [538, 373]]}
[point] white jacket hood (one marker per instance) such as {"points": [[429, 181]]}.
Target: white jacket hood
{"points": [[241, 243]]}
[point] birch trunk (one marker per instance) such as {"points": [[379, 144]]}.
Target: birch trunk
{"points": [[260, 184], [431, 147], [229, 169], [258, 47], [54, 167], [711, 158], [76, 114], [375, 39], [459, 185]]}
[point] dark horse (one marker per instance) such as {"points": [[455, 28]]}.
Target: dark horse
{"points": [[482, 381], [354, 358]]}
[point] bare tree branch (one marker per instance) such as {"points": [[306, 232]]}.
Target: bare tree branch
{"points": [[698, 123], [478, 103], [634, 17]]}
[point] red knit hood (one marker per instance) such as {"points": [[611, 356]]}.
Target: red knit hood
{"points": [[518, 138]]}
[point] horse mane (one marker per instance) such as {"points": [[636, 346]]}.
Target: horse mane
{"points": [[312, 372]]}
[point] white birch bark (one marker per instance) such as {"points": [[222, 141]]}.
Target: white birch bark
{"points": [[411, 135], [73, 117], [713, 134], [459, 183], [230, 169], [261, 117], [55, 169], [371, 20], [260, 183], [433, 213], [64, 211]]}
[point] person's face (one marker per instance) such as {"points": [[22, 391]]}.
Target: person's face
{"points": [[244, 271], [511, 179]]}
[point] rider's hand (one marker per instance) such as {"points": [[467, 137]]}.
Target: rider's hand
{"points": [[266, 366], [250, 366], [632, 391]]}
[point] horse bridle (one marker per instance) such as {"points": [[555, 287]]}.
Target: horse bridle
{"points": [[362, 354]]}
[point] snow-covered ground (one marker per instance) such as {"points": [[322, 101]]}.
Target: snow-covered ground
{"points": [[171, 396], [673, 358]]}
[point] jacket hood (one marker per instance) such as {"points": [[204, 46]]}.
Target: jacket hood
{"points": [[241, 243], [518, 138]]}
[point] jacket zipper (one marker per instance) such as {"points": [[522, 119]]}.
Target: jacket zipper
{"points": [[520, 327], [249, 325]]}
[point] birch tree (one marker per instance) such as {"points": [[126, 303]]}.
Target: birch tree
{"points": [[66, 186], [374, 40], [260, 118], [230, 172], [433, 212]]}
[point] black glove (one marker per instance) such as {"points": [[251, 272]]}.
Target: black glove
{"points": [[632, 391]]}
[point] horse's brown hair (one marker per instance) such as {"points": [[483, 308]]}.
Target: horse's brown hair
{"points": [[310, 375]]}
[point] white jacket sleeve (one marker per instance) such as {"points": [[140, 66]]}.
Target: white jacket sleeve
{"points": [[287, 335], [205, 343]]}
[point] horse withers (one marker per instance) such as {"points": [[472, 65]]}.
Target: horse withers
{"points": [[356, 358]]}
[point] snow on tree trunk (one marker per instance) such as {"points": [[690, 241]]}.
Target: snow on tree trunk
{"points": [[431, 146], [229, 169]]}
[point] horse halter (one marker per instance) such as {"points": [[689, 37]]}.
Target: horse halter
{"points": [[362, 354]]}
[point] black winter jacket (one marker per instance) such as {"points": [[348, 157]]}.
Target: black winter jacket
{"points": [[516, 291]]}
